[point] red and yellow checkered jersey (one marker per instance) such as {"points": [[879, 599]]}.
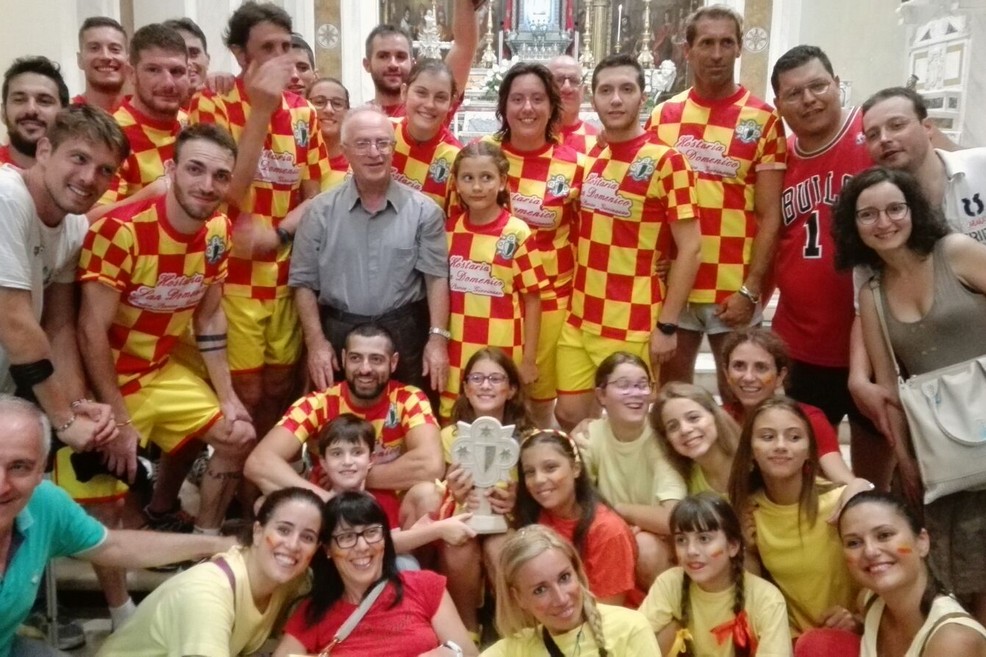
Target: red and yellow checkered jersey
{"points": [[399, 111], [544, 191], [336, 173], [152, 143], [727, 142], [426, 165], [161, 276], [631, 191], [400, 409], [293, 151], [82, 100], [580, 136], [490, 266]]}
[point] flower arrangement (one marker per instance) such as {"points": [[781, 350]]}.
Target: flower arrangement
{"points": [[491, 85]]}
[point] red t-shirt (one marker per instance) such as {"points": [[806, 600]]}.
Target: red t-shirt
{"points": [[610, 554], [825, 436], [385, 631]]}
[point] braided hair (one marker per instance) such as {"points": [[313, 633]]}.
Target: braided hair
{"points": [[709, 512], [524, 545]]}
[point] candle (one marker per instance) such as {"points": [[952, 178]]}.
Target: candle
{"points": [[619, 24]]}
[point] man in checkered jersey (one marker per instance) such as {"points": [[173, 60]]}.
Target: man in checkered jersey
{"points": [[735, 143]]}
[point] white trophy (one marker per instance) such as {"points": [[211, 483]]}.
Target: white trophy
{"points": [[488, 451]]}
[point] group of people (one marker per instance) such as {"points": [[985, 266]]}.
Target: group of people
{"points": [[194, 251]]}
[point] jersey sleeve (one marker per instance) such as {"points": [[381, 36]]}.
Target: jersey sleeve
{"points": [[676, 181], [118, 186], [772, 153], [825, 436], [207, 107], [306, 417], [108, 254], [317, 161], [416, 409], [529, 275], [611, 557], [663, 599]]}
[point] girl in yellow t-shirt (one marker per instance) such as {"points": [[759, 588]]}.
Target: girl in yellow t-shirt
{"points": [[491, 388], [544, 607], [698, 436], [774, 489], [710, 605]]}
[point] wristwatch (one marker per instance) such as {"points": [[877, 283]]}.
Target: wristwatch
{"points": [[434, 330], [454, 647], [667, 329], [753, 297]]}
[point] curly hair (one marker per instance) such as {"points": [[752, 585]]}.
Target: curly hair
{"points": [[927, 224]]}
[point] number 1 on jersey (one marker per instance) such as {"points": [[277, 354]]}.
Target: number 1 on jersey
{"points": [[813, 247]]}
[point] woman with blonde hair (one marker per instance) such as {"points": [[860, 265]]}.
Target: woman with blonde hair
{"points": [[544, 607], [698, 436]]}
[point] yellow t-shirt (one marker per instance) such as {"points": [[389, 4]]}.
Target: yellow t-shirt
{"points": [[197, 613], [637, 472], [697, 482], [806, 562], [764, 606], [626, 634]]}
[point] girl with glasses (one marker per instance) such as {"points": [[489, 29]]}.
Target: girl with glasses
{"points": [[331, 101], [495, 271], [555, 491], [412, 616], [931, 286], [544, 605], [492, 388], [626, 463]]}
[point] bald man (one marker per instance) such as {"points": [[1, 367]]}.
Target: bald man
{"points": [[574, 131]]}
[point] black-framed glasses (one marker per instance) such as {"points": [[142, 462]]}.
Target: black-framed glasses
{"points": [[478, 378], [372, 534], [894, 211], [363, 146]]}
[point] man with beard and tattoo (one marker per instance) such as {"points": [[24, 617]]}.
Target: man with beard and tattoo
{"points": [[151, 118], [102, 57], [408, 453], [33, 93]]}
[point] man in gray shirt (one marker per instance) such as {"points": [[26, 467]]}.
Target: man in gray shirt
{"points": [[373, 249]]}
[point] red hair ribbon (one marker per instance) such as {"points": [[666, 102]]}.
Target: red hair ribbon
{"points": [[739, 630]]}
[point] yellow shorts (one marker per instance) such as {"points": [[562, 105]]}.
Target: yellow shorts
{"points": [[580, 353], [261, 332], [172, 407], [546, 387]]}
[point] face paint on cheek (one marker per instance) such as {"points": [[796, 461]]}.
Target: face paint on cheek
{"points": [[717, 554], [904, 549], [270, 541]]}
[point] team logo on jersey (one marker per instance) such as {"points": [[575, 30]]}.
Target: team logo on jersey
{"points": [[748, 131], [506, 246], [301, 133], [642, 169], [439, 170], [392, 418], [557, 185], [214, 249]]}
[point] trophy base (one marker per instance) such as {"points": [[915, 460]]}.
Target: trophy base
{"points": [[491, 524]]}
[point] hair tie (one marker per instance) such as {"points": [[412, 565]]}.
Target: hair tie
{"points": [[681, 640]]}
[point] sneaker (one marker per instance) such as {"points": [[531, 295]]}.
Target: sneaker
{"points": [[69, 633], [176, 521]]}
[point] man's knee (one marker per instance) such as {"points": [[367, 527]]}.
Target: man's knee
{"points": [[573, 408], [249, 388], [420, 500]]}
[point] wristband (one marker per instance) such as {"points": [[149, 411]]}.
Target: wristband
{"points": [[28, 375], [667, 329], [67, 424], [285, 237]]}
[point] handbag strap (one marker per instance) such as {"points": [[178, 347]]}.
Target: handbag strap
{"points": [[880, 313], [354, 618]]}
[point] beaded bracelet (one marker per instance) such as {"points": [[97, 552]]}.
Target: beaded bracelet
{"points": [[67, 424]]}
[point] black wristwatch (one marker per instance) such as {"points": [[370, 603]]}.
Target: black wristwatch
{"points": [[667, 329]]}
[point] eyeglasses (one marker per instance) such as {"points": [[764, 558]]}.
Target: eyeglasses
{"points": [[478, 378], [363, 146], [372, 534], [816, 89], [625, 386], [894, 211], [321, 102], [573, 80]]}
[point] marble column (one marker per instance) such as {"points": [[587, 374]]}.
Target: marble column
{"points": [[328, 25], [754, 70]]}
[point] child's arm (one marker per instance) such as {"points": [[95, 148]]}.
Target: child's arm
{"points": [[453, 531]]}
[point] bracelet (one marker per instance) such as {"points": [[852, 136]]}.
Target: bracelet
{"points": [[434, 330], [123, 424], [28, 375], [67, 424], [745, 291]]}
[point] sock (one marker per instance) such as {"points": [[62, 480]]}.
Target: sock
{"points": [[118, 615], [210, 531]]}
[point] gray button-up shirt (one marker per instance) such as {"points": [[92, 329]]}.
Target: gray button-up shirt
{"points": [[369, 263]]}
